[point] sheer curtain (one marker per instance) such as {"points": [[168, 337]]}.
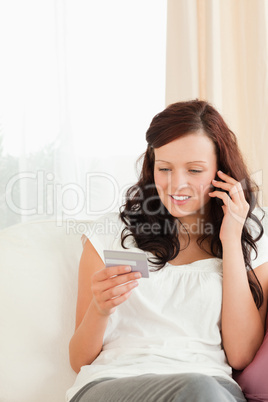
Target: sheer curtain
{"points": [[79, 84], [218, 50]]}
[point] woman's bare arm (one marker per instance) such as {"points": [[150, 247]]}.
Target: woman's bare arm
{"points": [[100, 291], [242, 323]]}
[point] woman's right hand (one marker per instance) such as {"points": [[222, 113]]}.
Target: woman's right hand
{"points": [[112, 286]]}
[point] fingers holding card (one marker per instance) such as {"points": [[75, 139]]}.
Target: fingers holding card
{"points": [[137, 261]]}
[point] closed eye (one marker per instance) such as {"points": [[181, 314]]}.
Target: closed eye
{"points": [[191, 170]]}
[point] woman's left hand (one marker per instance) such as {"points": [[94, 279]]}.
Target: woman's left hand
{"points": [[235, 207]]}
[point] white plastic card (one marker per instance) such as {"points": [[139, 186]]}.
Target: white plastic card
{"points": [[137, 261]]}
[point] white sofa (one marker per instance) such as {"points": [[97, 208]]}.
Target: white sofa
{"points": [[38, 288]]}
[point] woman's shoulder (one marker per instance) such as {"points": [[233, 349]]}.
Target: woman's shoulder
{"points": [[106, 224], [104, 232]]}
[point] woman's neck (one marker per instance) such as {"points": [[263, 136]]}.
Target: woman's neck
{"points": [[195, 226]]}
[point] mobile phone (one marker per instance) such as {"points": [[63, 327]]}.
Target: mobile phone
{"points": [[219, 200], [137, 261]]}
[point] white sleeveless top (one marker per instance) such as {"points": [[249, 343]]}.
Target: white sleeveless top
{"points": [[170, 324]]}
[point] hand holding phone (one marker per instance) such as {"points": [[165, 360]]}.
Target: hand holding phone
{"points": [[218, 200]]}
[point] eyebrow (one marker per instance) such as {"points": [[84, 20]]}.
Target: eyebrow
{"points": [[161, 160]]}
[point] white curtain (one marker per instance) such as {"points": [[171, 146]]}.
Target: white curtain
{"points": [[79, 84], [218, 50]]}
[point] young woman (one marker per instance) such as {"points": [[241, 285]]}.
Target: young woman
{"points": [[177, 335]]}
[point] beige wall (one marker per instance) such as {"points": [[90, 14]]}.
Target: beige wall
{"points": [[218, 50]]}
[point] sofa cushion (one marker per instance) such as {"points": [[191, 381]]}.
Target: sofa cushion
{"points": [[38, 289], [253, 379]]}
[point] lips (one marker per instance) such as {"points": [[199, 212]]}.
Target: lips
{"points": [[180, 197]]}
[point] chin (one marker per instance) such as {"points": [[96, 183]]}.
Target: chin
{"points": [[181, 211]]}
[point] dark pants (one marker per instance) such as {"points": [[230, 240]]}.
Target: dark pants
{"points": [[161, 388]]}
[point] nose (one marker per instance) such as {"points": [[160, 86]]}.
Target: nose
{"points": [[178, 181]]}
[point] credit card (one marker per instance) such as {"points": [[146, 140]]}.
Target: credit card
{"points": [[137, 261]]}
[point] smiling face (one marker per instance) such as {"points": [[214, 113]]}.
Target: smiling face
{"points": [[183, 172]]}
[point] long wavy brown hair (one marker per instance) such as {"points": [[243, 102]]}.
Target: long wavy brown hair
{"points": [[153, 228]]}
